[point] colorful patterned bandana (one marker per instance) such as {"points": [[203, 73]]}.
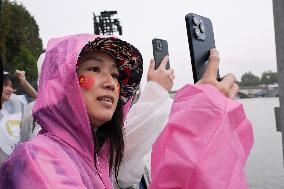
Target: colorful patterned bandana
{"points": [[127, 58]]}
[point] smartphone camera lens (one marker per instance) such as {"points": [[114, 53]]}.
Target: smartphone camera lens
{"points": [[159, 45], [201, 36], [196, 20], [197, 32], [202, 27]]}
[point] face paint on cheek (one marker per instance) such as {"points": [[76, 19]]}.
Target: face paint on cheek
{"points": [[118, 88], [86, 81]]}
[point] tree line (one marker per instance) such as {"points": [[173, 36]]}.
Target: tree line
{"points": [[20, 44], [266, 78]]}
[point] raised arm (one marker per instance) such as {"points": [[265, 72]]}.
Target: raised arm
{"points": [[21, 75]]}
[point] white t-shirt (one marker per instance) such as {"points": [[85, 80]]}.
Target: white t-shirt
{"points": [[10, 121]]}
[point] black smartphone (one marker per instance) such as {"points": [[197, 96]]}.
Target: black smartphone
{"points": [[200, 39], [160, 50]]}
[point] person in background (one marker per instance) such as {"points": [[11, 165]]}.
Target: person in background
{"points": [[11, 114], [29, 128]]}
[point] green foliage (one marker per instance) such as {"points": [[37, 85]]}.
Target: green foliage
{"points": [[26, 61], [249, 79], [20, 43], [269, 77]]}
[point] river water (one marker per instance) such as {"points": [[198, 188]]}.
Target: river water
{"points": [[264, 168]]}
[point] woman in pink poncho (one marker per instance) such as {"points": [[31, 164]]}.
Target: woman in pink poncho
{"points": [[84, 83]]}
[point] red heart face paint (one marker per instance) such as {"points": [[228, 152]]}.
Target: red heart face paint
{"points": [[86, 81]]}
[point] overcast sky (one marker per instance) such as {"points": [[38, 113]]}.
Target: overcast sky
{"points": [[244, 29]]}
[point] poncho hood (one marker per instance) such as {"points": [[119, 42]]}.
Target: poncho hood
{"points": [[59, 108]]}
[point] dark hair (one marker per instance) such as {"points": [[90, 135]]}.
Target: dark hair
{"points": [[112, 133], [6, 79]]}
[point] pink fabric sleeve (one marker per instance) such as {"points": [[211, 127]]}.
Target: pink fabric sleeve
{"points": [[205, 143]]}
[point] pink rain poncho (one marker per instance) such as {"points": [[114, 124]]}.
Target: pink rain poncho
{"points": [[205, 143], [62, 156]]}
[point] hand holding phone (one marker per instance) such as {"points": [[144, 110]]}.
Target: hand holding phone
{"points": [[165, 75], [227, 85], [201, 40], [160, 50]]}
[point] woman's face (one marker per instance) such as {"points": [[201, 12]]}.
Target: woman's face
{"points": [[98, 78], [7, 90]]}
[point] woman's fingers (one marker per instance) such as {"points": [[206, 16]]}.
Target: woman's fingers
{"points": [[213, 64], [227, 85], [164, 62], [234, 91], [230, 88], [162, 76], [228, 81]]}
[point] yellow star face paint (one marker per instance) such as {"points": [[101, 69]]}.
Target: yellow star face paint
{"points": [[86, 81]]}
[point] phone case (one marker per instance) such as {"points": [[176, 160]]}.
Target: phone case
{"points": [[201, 40], [160, 50]]}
